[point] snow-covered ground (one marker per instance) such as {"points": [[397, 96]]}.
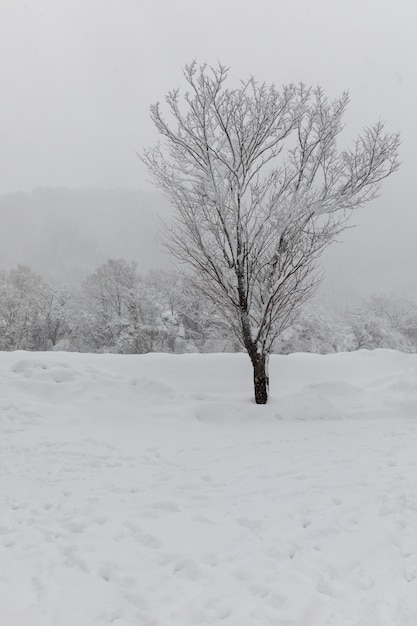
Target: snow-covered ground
{"points": [[151, 491]]}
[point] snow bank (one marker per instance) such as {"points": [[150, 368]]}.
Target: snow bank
{"points": [[150, 490]]}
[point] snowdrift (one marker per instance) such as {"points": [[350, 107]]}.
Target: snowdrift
{"points": [[151, 490]]}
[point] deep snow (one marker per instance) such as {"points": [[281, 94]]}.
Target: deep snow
{"points": [[151, 491]]}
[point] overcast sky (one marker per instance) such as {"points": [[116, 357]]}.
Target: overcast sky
{"points": [[78, 76]]}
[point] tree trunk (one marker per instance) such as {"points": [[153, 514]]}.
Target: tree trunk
{"points": [[261, 378]]}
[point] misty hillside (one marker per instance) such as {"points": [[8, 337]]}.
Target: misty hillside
{"points": [[63, 233], [58, 232]]}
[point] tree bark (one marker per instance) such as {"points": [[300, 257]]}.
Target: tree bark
{"points": [[261, 378]]}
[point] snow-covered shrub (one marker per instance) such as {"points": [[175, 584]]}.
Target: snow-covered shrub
{"points": [[384, 321], [316, 329]]}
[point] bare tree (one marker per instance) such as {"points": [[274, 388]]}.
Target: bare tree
{"points": [[260, 189]]}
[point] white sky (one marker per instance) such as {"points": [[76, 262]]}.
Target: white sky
{"points": [[78, 76]]}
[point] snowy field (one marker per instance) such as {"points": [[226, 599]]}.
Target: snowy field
{"points": [[151, 491]]}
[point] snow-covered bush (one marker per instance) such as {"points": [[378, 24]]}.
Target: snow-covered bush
{"points": [[317, 330], [384, 321]]}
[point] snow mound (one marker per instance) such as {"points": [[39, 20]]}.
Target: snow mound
{"points": [[151, 389], [39, 370], [330, 400]]}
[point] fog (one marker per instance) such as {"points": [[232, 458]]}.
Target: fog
{"points": [[77, 81], [64, 234]]}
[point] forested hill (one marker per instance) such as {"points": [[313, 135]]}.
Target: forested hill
{"points": [[57, 232]]}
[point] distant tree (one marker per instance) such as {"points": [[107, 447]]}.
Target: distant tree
{"points": [[33, 314], [166, 286], [317, 329], [51, 323], [20, 292], [118, 314], [204, 329], [191, 323], [385, 321], [260, 190]]}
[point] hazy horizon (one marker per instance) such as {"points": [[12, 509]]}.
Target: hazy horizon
{"points": [[54, 231]]}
